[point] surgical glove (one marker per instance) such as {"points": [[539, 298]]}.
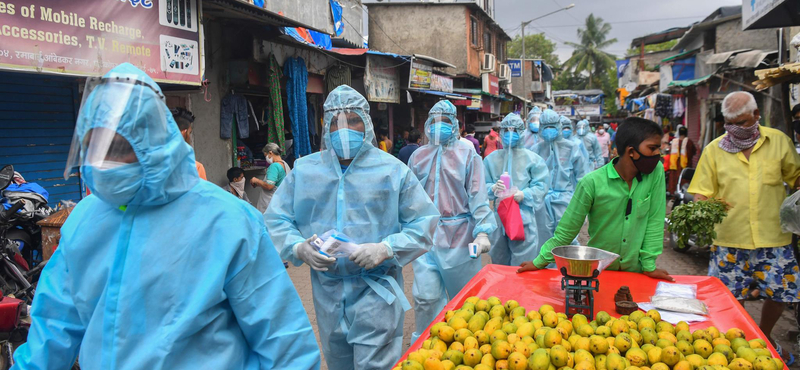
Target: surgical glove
{"points": [[519, 196], [370, 255], [310, 255], [498, 188], [482, 240]]}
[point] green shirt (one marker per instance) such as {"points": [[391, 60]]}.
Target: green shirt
{"points": [[629, 222]]}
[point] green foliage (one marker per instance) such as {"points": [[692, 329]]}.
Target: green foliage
{"points": [[537, 46], [588, 55], [699, 219], [609, 83], [666, 45], [567, 80]]}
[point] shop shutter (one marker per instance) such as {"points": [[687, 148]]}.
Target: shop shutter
{"points": [[37, 118]]}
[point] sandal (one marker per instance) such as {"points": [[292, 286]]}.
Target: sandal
{"points": [[789, 361]]}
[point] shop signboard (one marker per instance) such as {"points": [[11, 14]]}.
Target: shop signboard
{"points": [[381, 80], [516, 67], [420, 74], [83, 38], [588, 110], [441, 83], [756, 10], [563, 110], [476, 102], [490, 84]]}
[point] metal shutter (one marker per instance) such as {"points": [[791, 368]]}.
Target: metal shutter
{"points": [[37, 118]]}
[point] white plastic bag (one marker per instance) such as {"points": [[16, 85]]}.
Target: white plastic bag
{"points": [[790, 214], [676, 290], [678, 304], [337, 245]]}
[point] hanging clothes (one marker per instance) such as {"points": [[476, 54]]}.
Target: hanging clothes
{"points": [[336, 76], [275, 117], [233, 108], [664, 105], [297, 74], [678, 107]]}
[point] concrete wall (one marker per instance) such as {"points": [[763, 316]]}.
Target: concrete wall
{"points": [[433, 30], [214, 153], [314, 13], [731, 37], [353, 15]]}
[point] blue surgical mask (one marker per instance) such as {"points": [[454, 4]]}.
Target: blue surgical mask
{"points": [[444, 130], [346, 138], [581, 131], [534, 127], [549, 133], [116, 186], [510, 139], [566, 133]]}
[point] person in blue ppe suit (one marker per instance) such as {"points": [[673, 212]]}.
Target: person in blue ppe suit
{"points": [[568, 132], [530, 137], [528, 174], [452, 174], [590, 143], [567, 166], [131, 288], [358, 190]]}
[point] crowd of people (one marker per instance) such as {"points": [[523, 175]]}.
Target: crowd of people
{"points": [[131, 287]]}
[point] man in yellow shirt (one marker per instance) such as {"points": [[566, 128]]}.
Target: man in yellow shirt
{"points": [[747, 168]]}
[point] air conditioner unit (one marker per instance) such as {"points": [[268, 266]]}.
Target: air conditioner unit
{"points": [[505, 72], [488, 63]]}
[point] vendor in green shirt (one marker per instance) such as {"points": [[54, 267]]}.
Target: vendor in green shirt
{"points": [[625, 203]]}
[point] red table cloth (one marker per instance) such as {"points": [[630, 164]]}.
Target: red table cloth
{"points": [[535, 288]]}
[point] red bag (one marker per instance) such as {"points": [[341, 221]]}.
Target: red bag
{"points": [[510, 216]]}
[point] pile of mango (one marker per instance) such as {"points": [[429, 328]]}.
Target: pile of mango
{"points": [[489, 334]]}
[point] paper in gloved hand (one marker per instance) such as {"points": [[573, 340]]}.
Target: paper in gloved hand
{"points": [[337, 245]]}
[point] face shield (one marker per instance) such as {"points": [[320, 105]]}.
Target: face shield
{"points": [[440, 129], [107, 104], [347, 134], [582, 128]]}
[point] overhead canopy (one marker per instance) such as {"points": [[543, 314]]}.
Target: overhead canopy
{"points": [[687, 83], [436, 62], [720, 58], [683, 55], [659, 37], [751, 59], [771, 14], [442, 94]]}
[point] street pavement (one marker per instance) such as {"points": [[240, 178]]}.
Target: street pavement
{"points": [[695, 262]]}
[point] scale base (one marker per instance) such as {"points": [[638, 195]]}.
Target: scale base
{"points": [[579, 293]]}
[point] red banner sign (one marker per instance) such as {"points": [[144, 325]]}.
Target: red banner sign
{"points": [[89, 37]]}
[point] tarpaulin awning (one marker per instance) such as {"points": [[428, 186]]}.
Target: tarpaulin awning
{"points": [[683, 55], [240, 10], [720, 58], [443, 94], [359, 51], [774, 76], [687, 83], [536, 288], [751, 59], [308, 37]]}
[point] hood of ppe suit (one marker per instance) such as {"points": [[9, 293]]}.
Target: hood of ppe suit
{"points": [[533, 114], [345, 99], [167, 162], [447, 109], [550, 118], [582, 124], [567, 123], [512, 120]]}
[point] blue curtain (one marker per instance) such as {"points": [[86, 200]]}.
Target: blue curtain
{"points": [[295, 70]]}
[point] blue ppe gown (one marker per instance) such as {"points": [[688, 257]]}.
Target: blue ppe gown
{"points": [[530, 138], [452, 175], [528, 173], [374, 199], [567, 166], [591, 144], [579, 142], [185, 277]]}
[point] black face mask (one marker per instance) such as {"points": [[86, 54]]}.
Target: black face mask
{"points": [[646, 163]]}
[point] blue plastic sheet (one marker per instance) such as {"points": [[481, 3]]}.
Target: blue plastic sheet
{"points": [[338, 22]]}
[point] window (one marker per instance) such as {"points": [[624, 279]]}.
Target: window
{"points": [[487, 42], [501, 52], [474, 32]]}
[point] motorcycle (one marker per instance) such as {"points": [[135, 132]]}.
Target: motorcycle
{"points": [[681, 196]]}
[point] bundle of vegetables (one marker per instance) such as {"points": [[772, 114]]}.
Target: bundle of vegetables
{"points": [[699, 219]]}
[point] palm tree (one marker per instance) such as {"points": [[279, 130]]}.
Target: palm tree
{"points": [[588, 56]]}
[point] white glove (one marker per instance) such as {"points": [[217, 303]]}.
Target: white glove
{"points": [[370, 255], [482, 240], [311, 256], [519, 196], [498, 188]]}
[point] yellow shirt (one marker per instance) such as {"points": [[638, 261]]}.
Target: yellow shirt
{"points": [[754, 188]]}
